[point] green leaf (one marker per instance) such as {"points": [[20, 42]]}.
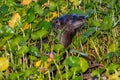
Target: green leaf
{"points": [[39, 34], [13, 76], [83, 64], [112, 67], [118, 53], [46, 47], [69, 74], [96, 23], [32, 58], [76, 11], [4, 40], [95, 73], [38, 9], [112, 47], [73, 61], [44, 25], [10, 3], [4, 9], [41, 2], [85, 36], [78, 78], [19, 40], [75, 69], [90, 12], [29, 71], [6, 31], [107, 23], [109, 56], [22, 51], [33, 50], [58, 47], [53, 6], [31, 15], [44, 58]]}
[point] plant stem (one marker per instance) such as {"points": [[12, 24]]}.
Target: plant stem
{"points": [[58, 69]]}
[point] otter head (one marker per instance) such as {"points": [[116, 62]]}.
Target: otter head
{"points": [[69, 23]]}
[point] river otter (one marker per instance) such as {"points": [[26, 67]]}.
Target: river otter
{"points": [[68, 24]]}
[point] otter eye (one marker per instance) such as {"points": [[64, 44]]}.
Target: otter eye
{"points": [[56, 21]]}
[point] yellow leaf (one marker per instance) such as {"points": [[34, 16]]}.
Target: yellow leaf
{"points": [[27, 26], [38, 63], [11, 23], [14, 19], [4, 63], [26, 2], [47, 19], [54, 14], [15, 16]]}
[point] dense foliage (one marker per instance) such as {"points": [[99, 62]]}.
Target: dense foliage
{"points": [[29, 49]]}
